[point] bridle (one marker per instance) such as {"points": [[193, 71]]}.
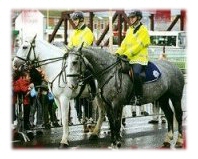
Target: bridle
{"points": [[29, 62], [81, 75], [36, 63]]}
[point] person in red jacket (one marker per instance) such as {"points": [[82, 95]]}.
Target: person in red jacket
{"points": [[15, 77], [21, 89]]}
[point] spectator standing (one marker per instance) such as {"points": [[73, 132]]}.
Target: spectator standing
{"points": [[21, 88]]}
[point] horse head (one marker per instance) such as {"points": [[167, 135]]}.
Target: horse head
{"points": [[76, 69], [26, 53]]}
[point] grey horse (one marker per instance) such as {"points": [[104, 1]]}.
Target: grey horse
{"points": [[116, 88]]}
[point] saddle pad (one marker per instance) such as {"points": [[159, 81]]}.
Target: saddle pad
{"points": [[152, 73]]}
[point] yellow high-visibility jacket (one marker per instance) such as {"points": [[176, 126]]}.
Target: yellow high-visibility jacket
{"points": [[81, 35], [135, 45]]}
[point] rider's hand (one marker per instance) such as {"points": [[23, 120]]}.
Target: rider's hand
{"points": [[123, 56], [117, 55], [120, 56]]}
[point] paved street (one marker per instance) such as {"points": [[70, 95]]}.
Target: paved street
{"points": [[137, 134]]}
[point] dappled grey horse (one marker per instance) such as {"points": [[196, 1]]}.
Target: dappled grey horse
{"points": [[116, 88]]}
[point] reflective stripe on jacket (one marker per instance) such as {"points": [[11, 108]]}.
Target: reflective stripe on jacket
{"points": [[81, 35], [135, 45]]}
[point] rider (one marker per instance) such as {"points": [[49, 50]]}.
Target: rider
{"points": [[82, 34], [135, 48]]}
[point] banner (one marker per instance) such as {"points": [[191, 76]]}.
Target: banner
{"points": [[163, 15]]}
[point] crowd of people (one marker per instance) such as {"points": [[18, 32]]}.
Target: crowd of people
{"points": [[31, 94]]}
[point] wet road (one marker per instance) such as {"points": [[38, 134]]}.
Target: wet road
{"points": [[137, 134]]}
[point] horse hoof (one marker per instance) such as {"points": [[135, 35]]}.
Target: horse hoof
{"points": [[30, 135], [39, 133], [62, 146], [118, 144], [178, 145], [91, 127], [166, 145], [153, 122], [93, 137], [113, 146]]}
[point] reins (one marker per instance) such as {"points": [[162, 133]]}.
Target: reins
{"points": [[100, 73], [36, 63]]}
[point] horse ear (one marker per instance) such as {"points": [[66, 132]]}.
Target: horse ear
{"points": [[34, 37], [67, 49], [81, 46]]}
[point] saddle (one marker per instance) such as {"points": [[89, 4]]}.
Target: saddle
{"points": [[150, 74]]}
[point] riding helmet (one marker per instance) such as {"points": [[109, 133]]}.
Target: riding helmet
{"points": [[78, 15], [135, 13]]}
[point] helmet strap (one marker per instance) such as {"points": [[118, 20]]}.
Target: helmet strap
{"points": [[136, 23], [77, 25], [80, 24]]}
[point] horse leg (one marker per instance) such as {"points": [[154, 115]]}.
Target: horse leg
{"points": [[110, 115], [64, 102], [78, 108], [164, 104], [59, 116], [178, 115], [118, 125], [114, 114], [100, 104]]}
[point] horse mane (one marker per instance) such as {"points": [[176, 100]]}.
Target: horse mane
{"points": [[96, 50], [91, 49], [103, 57], [51, 46]]}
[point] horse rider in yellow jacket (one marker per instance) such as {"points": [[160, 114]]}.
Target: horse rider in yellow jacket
{"points": [[135, 48], [81, 32]]}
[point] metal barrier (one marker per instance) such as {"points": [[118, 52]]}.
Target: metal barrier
{"points": [[175, 55], [20, 131]]}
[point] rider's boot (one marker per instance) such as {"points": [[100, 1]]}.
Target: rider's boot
{"points": [[139, 100], [139, 91]]}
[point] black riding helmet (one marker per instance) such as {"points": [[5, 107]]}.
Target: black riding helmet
{"points": [[136, 13], [78, 15]]}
